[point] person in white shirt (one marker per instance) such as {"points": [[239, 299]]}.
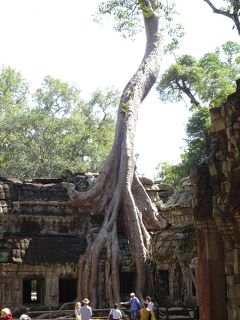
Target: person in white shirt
{"points": [[77, 310], [25, 315], [115, 313]]}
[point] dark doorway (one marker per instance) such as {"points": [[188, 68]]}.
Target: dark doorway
{"points": [[163, 277], [127, 282], [67, 290], [32, 290]]}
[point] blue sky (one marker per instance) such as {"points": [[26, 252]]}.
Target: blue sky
{"points": [[59, 38]]}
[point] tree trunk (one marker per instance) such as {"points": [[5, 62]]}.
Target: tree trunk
{"points": [[118, 194]]}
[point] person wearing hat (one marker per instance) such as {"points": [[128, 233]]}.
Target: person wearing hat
{"points": [[6, 314], [134, 305], [85, 311]]}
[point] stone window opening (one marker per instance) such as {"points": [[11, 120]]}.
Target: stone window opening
{"points": [[32, 290]]}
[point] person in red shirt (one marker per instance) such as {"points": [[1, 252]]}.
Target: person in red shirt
{"points": [[6, 314]]}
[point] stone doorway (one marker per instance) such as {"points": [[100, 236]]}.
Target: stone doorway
{"points": [[67, 290], [127, 283], [163, 282]]}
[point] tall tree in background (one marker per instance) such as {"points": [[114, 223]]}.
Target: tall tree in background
{"points": [[206, 83], [60, 131], [118, 194], [13, 92], [227, 8], [13, 103]]}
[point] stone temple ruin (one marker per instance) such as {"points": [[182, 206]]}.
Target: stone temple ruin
{"points": [[216, 208], [196, 260], [42, 239]]}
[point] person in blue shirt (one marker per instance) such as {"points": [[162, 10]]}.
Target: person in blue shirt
{"points": [[134, 305]]}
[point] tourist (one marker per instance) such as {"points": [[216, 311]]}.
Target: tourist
{"points": [[77, 310], [115, 313], [145, 312], [6, 314], [134, 305], [150, 304], [85, 310], [150, 307], [25, 315]]}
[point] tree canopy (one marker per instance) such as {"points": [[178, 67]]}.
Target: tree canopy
{"points": [[205, 82], [56, 130]]}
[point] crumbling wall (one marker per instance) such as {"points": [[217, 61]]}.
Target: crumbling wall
{"points": [[216, 208], [42, 238]]}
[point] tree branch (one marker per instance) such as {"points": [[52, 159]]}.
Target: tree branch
{"points": [[218, 11], [234, 15], [187, 91]]}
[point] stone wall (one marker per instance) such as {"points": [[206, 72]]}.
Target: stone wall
{"points": [[216, 213], [13, 276], [175, 248], [42, 239]]}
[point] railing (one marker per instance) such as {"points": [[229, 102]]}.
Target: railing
{"points": [[173, 313], [69, 314], [176, 313]]}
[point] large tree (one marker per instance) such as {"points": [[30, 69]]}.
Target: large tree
{"points": [[118, 194]]}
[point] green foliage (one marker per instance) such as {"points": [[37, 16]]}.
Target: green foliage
{"points": [[207, 80], [197, 141], [127, 15], [13, 91], [221, 70], [206, 83], [124, 107], [56, 96], [180, 79], [60, 131], [169, 174], [196, 150], [105, 103]]}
